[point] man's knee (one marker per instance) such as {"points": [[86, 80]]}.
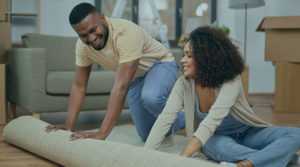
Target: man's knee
{"points": [[153, 103], [143, 134]]}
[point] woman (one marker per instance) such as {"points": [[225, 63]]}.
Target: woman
{"points": [[219, 120]]}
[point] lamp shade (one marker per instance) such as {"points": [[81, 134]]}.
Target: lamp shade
{"points": [[240, 4]]}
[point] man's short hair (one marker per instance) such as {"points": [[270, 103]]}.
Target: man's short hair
{"points": [[80, 11]]}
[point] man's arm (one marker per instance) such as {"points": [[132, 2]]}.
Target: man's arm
{"points": [[124, 76], [76, 98]]}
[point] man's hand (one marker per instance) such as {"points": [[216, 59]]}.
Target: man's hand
{"points": [[124, 75], [76, 99], [50, 128], [83, 135]]}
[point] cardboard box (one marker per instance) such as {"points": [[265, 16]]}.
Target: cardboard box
{"points": [[5, 41], [2, 10], [282, 47], [287, 87], [282, 38], [2, 94]]}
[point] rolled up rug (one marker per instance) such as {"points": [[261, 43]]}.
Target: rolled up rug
{"points": [[29, 133]]}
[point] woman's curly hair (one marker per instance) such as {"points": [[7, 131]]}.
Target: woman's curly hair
{"points": [[217, 60]]}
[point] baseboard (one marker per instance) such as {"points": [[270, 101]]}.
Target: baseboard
{"points": [[261, 94]]}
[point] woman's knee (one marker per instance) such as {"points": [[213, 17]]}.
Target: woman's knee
{"points": [[216, 145], [291, 131], [293, 134], [297, 135]]}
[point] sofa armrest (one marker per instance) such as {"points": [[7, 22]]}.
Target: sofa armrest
{"points": [[26, 75], [178, 55]]}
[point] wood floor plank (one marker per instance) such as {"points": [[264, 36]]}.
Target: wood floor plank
{"points": [[12, 156]]}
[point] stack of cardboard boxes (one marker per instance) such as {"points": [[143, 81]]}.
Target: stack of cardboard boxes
{"points": [[282, 47], [5, 43]]}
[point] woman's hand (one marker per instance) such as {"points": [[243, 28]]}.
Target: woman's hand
{"points": [[193, 146]]}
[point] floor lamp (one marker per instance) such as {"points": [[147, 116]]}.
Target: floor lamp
{"points": [[245, 4]]}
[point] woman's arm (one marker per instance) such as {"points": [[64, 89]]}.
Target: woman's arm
{"points": [[227, 97], [165, 120], [220, 109], [193, 146]]}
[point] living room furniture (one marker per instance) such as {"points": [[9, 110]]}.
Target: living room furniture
{"points": [[2, 10], [4, 46], [282, 38], [24, 17], [287, 87], [40, 76], [245, 4], [2, 95]]}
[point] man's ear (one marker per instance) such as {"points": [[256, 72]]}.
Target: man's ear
{"points": [[101, 16]]}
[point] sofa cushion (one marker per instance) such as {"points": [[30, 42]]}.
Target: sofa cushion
{"points": [[178, 55], [60, 50], [60, 82]]}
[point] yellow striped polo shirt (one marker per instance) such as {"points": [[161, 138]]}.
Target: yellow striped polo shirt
{"points": [[126, 42]]}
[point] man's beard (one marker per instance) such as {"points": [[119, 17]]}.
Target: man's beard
{"points": [[105, 38]]}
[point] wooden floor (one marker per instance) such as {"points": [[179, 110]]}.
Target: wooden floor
{"points": [[11, 156]]}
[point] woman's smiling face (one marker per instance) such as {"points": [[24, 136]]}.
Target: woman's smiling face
{"points": [[188, 62]]}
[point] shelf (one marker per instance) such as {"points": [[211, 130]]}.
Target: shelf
{"points": [[22, 14], [24, 17]]}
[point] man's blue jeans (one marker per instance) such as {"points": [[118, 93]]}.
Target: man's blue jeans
{"points": [[147, 97], [263, 147]]}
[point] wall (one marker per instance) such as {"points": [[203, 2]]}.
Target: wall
{"points": [[23, 23], [55, 16], [54, 20], [262, 74]]}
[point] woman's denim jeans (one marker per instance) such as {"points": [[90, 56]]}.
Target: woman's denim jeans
{"points": [[263, 147], [147, 97]]}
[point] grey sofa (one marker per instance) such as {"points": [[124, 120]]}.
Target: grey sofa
{"points": [[40, 75]]}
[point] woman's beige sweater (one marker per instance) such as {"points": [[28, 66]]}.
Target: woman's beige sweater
{"points": [[230, 98]]}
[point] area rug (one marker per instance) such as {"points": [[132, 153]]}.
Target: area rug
{"points": [[127, 134]]}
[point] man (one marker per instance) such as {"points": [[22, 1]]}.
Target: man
{"points": [[144, 69]]}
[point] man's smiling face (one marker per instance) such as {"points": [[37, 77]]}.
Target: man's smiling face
{"points": [[93, 30]]}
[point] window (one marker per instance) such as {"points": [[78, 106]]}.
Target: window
{"points": [[180, 16], [166, 9], [195, 13], [107, 7]]}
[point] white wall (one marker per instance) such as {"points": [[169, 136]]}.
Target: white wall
{"points": [[23, 24], [55, 16], [55, 13], [262, 74]]}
